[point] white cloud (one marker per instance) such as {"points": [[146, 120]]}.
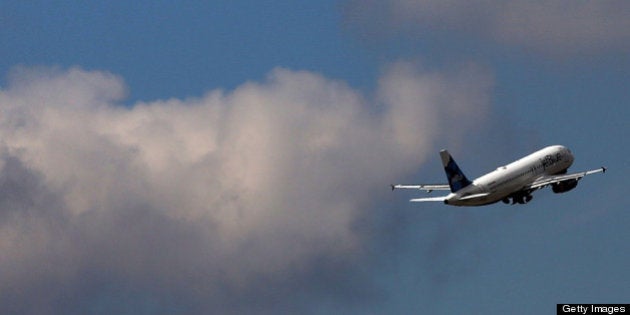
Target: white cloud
{"points": [[559, 26], [209, 193]]}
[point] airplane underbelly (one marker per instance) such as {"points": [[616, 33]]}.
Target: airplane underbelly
{"points": [[480, 201], [494, 196]]}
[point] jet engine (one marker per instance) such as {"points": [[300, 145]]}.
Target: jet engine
{"points": [[564, 186]]}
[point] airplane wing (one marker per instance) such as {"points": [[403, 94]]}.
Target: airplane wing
{"points": [[475, 196], [548, 180], [427, 187], [440, 199]]}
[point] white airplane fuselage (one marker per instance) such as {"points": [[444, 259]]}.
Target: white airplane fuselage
{"points": [[509, 179]]}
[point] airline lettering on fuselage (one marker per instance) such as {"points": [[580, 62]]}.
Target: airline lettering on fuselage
{"points": [[550, 160]]}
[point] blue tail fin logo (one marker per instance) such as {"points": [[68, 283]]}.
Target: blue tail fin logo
{"points": [[456, 178]]}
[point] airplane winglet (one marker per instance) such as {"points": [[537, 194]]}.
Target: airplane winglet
{"points": [[604, 168]]}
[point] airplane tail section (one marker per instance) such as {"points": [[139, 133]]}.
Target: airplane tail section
{"points": [[456, 178]]}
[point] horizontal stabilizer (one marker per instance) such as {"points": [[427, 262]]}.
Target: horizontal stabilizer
{"points": [[427, 187], [440, 199]]}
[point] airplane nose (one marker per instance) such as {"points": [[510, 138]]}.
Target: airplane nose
{"points": [[569, 156]]}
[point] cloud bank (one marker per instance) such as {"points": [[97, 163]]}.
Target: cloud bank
{"points": [[557, 27], [237, 201]]}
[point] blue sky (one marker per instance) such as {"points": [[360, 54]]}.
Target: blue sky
{"points": [[219, 44], [233, 157]]}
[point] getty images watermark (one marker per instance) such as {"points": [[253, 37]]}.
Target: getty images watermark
{"points": [[587, 309]]}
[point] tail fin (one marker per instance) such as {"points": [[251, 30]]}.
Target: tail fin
{"points": [[456, 179]]}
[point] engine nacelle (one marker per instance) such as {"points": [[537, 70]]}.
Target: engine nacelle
{"points": [[564, 186]]}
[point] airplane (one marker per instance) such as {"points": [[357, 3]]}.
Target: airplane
{"points": [[513, 183]]}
